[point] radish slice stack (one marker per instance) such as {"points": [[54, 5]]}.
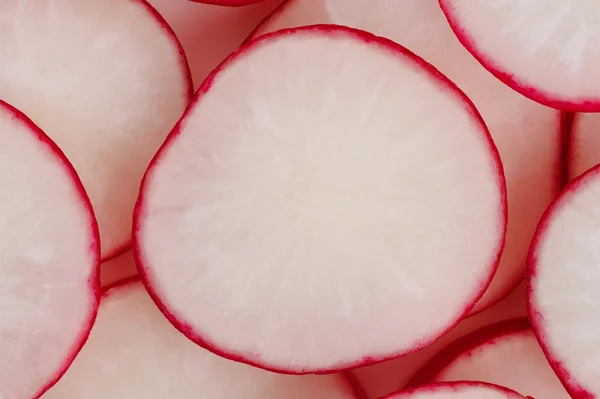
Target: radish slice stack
{"points": [[133, 352], [528, 135], [457, 390], [322, 177], [563, 285], [106, 80], [584, 144], [49, 259]]}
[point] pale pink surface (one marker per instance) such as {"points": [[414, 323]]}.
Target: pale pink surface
{"points": [[584, 144]]}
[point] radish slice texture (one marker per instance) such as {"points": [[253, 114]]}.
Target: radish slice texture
{"points": [[49, 259], [457, 390], [528, 135], [133, 352], [564, 277], [584, 144], [506, 354], [544, 49], [106, 80], [295, 204]]}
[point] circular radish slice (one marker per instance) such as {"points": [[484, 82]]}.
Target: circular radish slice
{"points": [[49, 259], [457, 390], [563, 285], [133, 352], [528, 135], [544, 49], [584, 144], [506, 354], [106, 80], [322, 177]]}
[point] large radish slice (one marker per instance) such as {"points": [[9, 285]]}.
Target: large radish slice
{"points": [[527, 134], [49, 258], [563, 285], [457, 390], [584, 144], [133, 352], [506, 354], [544, 49], [106, 80], [321, 177]]}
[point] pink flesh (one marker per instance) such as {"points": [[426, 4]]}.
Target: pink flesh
{"points": [[133, 352], [107, 81], [383, 378], [545, 49], [118, 268], [49, 257], [458, 390], [506, 354], [228, 3], [563, 285], [210, 33], [527, 134], [584, 144], [328, 216]]}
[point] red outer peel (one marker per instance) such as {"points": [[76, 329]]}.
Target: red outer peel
{"points": [[453, 385]]}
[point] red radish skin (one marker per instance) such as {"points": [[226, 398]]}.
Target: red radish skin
{"points": [[583, 144], [562, 285], [457, 390], [146, 247], [529, 136], [133, 352], [48, 269], [106, 80], [228, 3], [543, 49], [506, 354]]}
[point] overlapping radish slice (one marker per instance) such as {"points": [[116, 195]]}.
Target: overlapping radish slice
{"points": [[106, 80], [506, 354], [545, 49], [228, 3], [49, 258], [117, 268], [527, 134], [563, 285], [584, 144], [322, 177], [133, 352], [457, 390]]}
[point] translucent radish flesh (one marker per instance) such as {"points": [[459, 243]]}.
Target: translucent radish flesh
{"points": [[545, 49], [106, 80], [49, 257], [563, 285], [528, 135], [461, 390], [133, 352], [584, 144], [344, 178]]}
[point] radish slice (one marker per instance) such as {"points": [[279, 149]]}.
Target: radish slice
{"points": [[295, 204], [563, 285], [49, 259], [106, 79], [118, 268], [506, 354], [228, 3], [528, 135], [133, 352], [544, 49], [584, 144], [457, 390]]}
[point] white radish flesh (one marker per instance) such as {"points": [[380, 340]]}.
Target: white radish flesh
{"points": [[528, 135], [583, 145], [49, 259], [106, 80], [322, 177], [133, 352], [458, 390]]}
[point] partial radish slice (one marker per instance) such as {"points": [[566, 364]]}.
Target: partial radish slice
{"points": [[584, 144], [545, 49], [133, 352], [528, 135], [266, 234], [563, 285], [49, 258], [457, 390], [228, 3], [118, 268], [506, 354], [106, 79]]}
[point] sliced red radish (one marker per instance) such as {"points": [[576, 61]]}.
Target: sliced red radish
{"points": [[506, 354], [49, 258], [528, 135], [457, 390], [118, 268], [133, 352], [107, 80], [544, 49], [563, 285], [321, 177], [228, 3], [584, 144]]}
